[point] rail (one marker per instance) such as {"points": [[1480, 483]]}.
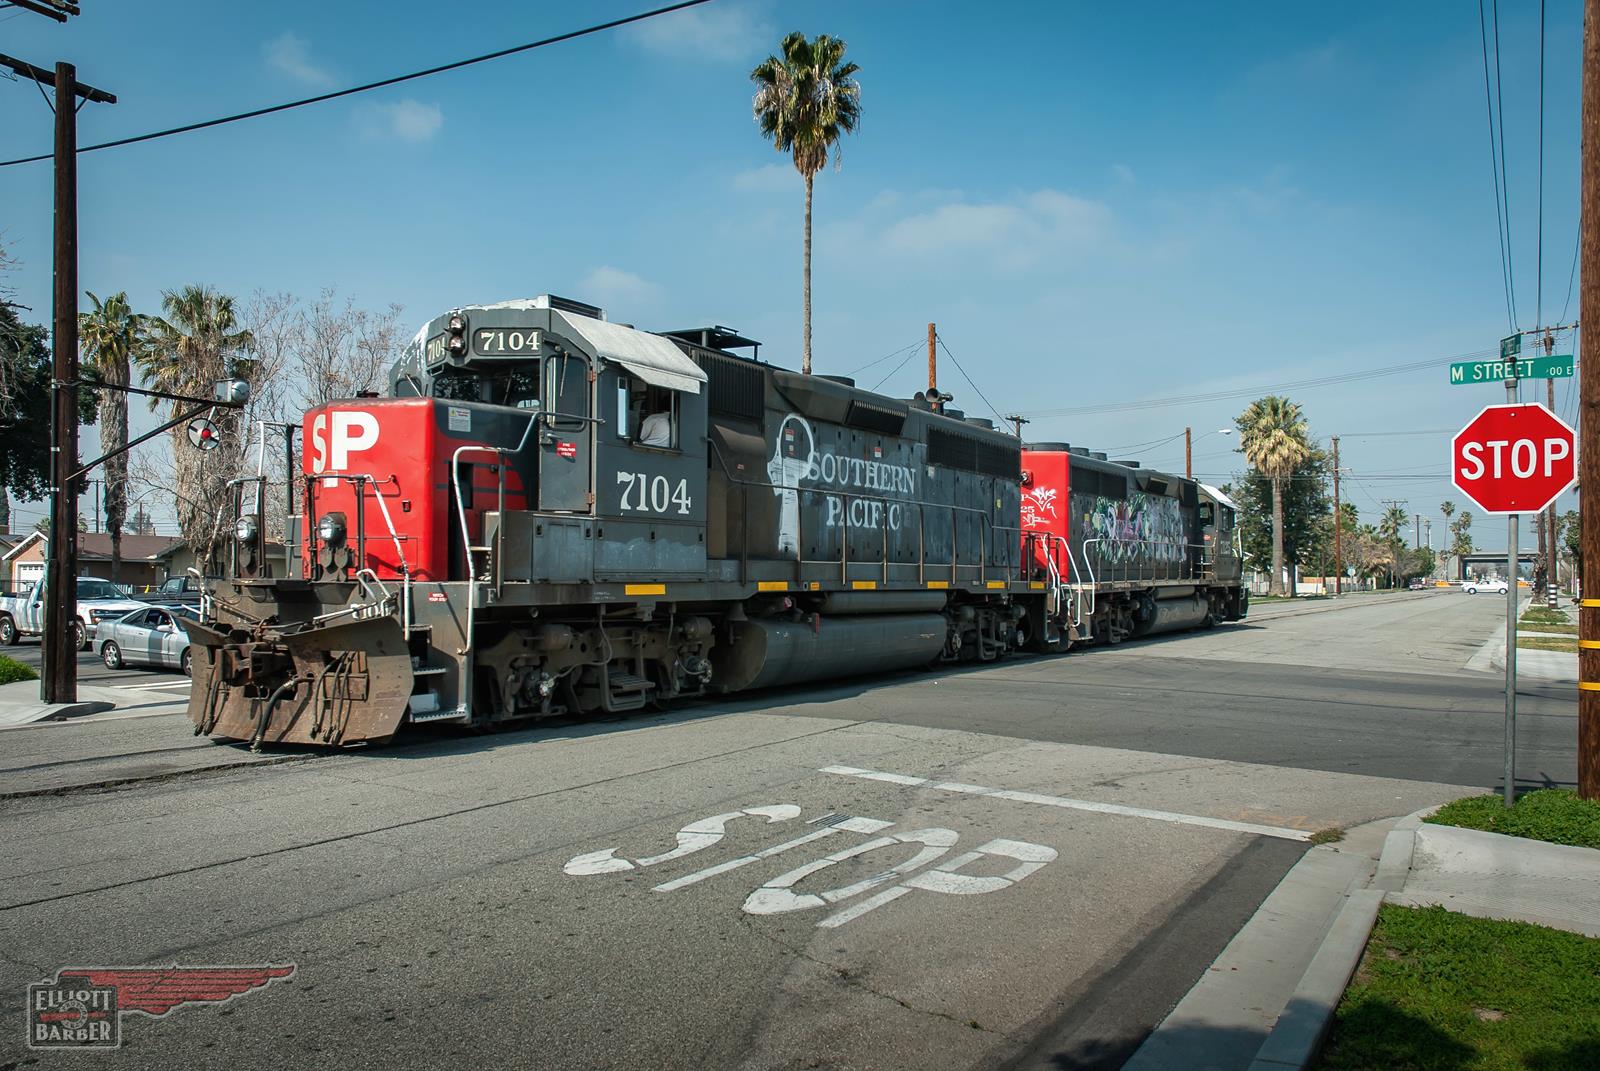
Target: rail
{"points": [[467, 548], [361, 481], [1144, 560]]}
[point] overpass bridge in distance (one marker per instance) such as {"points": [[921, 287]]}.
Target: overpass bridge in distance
{"points": [[1485, 561]]}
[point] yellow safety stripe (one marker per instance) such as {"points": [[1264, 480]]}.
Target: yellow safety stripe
{"points": [[993, 584], [772, 585], [1591, 603], [864, 585], [1036, 585], [1591, 645], [1589, 686], [644, 589], [939, 584]]}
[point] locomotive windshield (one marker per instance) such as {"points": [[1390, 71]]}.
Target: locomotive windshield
{"points": [[518, 387]]}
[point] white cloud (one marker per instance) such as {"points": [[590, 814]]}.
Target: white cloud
{"points": [[728, 32], [408, 120], [615, 289], [288, 54], [773, 178], [1013, 234]]}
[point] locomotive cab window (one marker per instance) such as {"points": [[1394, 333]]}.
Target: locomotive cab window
{"points": [[646, 415], [1208, 514]]}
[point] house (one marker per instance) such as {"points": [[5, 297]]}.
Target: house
{"points": [[142, 562], [178, 559]]}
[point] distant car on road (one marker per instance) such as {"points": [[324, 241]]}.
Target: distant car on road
{"points": [[180, 589], [1472, 587], [1417, 584], [152, 636]]}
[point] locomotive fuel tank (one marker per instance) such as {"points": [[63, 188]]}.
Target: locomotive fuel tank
{"points": [[770, 651]]}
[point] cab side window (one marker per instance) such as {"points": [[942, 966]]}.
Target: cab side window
{"points": [[647, 415]]}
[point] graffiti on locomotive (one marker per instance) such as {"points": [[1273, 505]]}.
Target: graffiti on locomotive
{"points": [[865, 486], [1139, 528]]}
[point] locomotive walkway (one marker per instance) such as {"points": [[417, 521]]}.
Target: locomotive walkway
{"points": [[1025, 865]]}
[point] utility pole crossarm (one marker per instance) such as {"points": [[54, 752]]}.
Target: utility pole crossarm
{"points": [[48, 78]]}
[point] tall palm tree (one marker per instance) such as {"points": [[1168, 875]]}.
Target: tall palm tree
{"points": [[1273, 439], [1391, 527], [196, 342], [804, 101], [113, 335]]}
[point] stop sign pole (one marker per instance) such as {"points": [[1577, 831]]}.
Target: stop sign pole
{"points": [[1513, 459]]}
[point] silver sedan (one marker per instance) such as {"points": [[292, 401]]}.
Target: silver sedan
{"points": [[152, 636]]}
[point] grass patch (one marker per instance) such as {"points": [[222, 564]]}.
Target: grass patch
{"points": [[1437, 991], [1556, 815], [1548, 643], [12, 671], [1564, 628]]}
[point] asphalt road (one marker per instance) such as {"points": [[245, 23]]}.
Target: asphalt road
{"points": [[1023, 866]]}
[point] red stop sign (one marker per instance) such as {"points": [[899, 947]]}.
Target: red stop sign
{"points": [[1514, 458]]}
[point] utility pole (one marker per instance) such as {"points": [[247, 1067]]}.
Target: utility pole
{"points": [[1552, 557], [59, 681], [1016, 423], [1416, 530], [1338, 525], [933, 359], [1188, 454], [1589, 414]]}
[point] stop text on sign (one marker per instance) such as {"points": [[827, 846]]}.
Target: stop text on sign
{"points": [[1526, 457], [1514, 458]]}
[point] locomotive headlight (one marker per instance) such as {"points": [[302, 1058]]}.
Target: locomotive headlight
{"points": [[245, 529], [458, 334], [330, 528]]}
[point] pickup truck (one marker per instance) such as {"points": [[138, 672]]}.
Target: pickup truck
{"points": [[175, 589], [98, 600]]}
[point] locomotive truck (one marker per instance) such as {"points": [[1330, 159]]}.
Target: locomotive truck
{"points": [[550, 514]]}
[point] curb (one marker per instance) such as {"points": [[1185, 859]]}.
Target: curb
{"points": [[1297, 1036]]}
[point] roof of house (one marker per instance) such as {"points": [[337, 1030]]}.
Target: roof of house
{"points": [[96, 546]]}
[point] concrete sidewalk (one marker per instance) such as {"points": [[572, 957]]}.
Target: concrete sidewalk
{"points": [[20, 703], [1267, 1001]]}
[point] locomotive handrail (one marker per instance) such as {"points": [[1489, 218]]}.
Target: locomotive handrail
{"points": [[1175, 568], [461, 508]]}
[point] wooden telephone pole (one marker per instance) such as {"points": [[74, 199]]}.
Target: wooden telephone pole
{"points": [[1338, 526], [1589, 415], [933, 359], [59, 681]]}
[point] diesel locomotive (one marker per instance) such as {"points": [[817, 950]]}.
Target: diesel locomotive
{"points": [[549, 513]]}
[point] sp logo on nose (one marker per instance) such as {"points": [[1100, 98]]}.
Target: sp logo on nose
{"points": [[337, 435]]}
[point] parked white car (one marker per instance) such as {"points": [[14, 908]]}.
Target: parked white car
{"points": [[98, 600], [1472, 587]]}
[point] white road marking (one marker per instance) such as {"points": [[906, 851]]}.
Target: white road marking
{"points": [[158, 684], [853, 825], [1071, 804], [944, 879], [774, 898], [694, 837]]}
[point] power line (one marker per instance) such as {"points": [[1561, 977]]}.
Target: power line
{"points": [[1494, 167], [968, 378], [1538, 301], [1505, 175], [885, 357], [895, 369], [396, 80], [1217, 396]]}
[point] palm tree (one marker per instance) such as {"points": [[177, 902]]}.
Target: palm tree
{"points": [[112, 336], [804, 102], [1272, 437], [1390, 528], [197, 342]]}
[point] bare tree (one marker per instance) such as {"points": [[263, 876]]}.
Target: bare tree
{"points": [[342, 350]]}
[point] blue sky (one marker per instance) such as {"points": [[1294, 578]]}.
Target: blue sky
{"points": [[1097, 204]]}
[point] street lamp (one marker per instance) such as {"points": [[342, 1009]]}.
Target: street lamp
{"points": [[1188, 449]]}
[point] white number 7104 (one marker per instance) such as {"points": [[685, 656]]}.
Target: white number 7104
{"points": [[653, 495]]}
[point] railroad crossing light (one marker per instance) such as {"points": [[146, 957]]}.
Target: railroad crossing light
{"points": [[203, 434], [233, 391], [458, 335]]}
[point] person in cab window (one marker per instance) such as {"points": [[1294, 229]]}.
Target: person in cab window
{"points": [[656, 430]]}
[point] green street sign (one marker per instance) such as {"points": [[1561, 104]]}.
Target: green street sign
{"points": [[1510, 347], [1558, 366]]}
